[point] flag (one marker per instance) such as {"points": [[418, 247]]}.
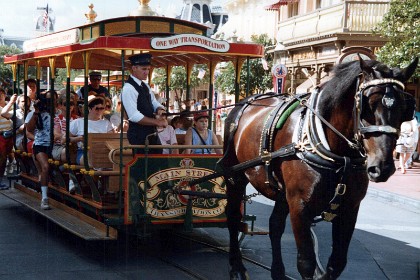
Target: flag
{"points": [[45, 18], [201, 73]]}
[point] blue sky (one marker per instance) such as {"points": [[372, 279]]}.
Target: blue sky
{"points": [[18, 17]]}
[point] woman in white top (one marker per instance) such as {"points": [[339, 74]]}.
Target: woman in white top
{"points": [[406, 143], [96, 124]]}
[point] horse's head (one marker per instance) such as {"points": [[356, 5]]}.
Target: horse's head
{"points": [[382, 106]]}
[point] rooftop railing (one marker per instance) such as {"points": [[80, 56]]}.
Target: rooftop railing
{"points": [[347, 17]]}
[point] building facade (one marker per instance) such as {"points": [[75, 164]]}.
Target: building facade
{"points": [[11, 41], [313, 34], [247, 18]]}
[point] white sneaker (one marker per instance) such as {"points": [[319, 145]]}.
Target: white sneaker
{"points": [[44, 204], [72, 187]]}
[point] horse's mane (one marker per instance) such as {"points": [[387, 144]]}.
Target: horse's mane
{"points": [[343, 82]]}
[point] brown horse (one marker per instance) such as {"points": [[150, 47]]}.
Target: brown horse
{"points": [[315, 154]]}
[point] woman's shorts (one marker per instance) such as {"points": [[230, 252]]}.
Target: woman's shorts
{"points": [[56, 151], [41, 149]]}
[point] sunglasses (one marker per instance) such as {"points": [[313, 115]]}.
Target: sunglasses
{"points": [[95, 79], [99, 108]]}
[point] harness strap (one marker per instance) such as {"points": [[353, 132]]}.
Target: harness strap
{"points": [[334, 204], [273, 123], [325, 122], [285, 151], [266, 140], [379, 128], [234, 125]]}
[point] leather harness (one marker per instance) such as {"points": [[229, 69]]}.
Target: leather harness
{"points": [[308, 142]]}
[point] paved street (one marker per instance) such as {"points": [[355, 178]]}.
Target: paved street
{"points": [[386, 244]]}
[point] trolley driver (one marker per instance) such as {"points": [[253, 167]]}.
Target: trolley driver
{"points": [[140, 103]]}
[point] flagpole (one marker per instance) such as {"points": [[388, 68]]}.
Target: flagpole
{"points": [[47, 20]]}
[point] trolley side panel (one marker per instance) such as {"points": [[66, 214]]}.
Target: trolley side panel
{"points": [[165, 174]]}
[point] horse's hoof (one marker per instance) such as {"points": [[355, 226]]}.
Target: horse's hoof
{"points": [[239, 275]]}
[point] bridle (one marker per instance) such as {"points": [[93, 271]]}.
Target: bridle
{"points": [[359, 129], [388, 100]]}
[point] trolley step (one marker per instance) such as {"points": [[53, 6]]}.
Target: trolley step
{"points": [[68, 218]]}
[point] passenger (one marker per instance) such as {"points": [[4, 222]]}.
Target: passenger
{"points": [[39, 123], [6, 139], [140, 103], [60, 125], [94, 87], [108, 108], [77, 111], [199, 134], [167, 137], [31, 86], [115, 118], [96, 124], [31, 93], [7, 113], [178, 125]]}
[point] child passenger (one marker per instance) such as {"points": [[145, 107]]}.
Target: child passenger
{"points": [[199, 134]]}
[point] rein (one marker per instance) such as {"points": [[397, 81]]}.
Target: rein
{"points": [[352, 145], [249, 101]]}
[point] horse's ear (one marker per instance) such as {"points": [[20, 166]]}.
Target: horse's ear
{"points": [[404, 74], [363, 65]]}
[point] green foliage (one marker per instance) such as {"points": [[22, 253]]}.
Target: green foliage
{"points": [[401, 26], [6, 70], [260, 80], [179, 79], [225, 79]]}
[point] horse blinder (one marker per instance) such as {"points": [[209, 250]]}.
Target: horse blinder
{"points": [[388, 100]]}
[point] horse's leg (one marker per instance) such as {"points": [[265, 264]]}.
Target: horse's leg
{"points": [[277, 225], [342, 232], [301, 224], [235, 193]]}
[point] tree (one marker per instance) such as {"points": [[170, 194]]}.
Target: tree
{"points": [[260, 80], [401, 26], [179, 78], [6, 70]]}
